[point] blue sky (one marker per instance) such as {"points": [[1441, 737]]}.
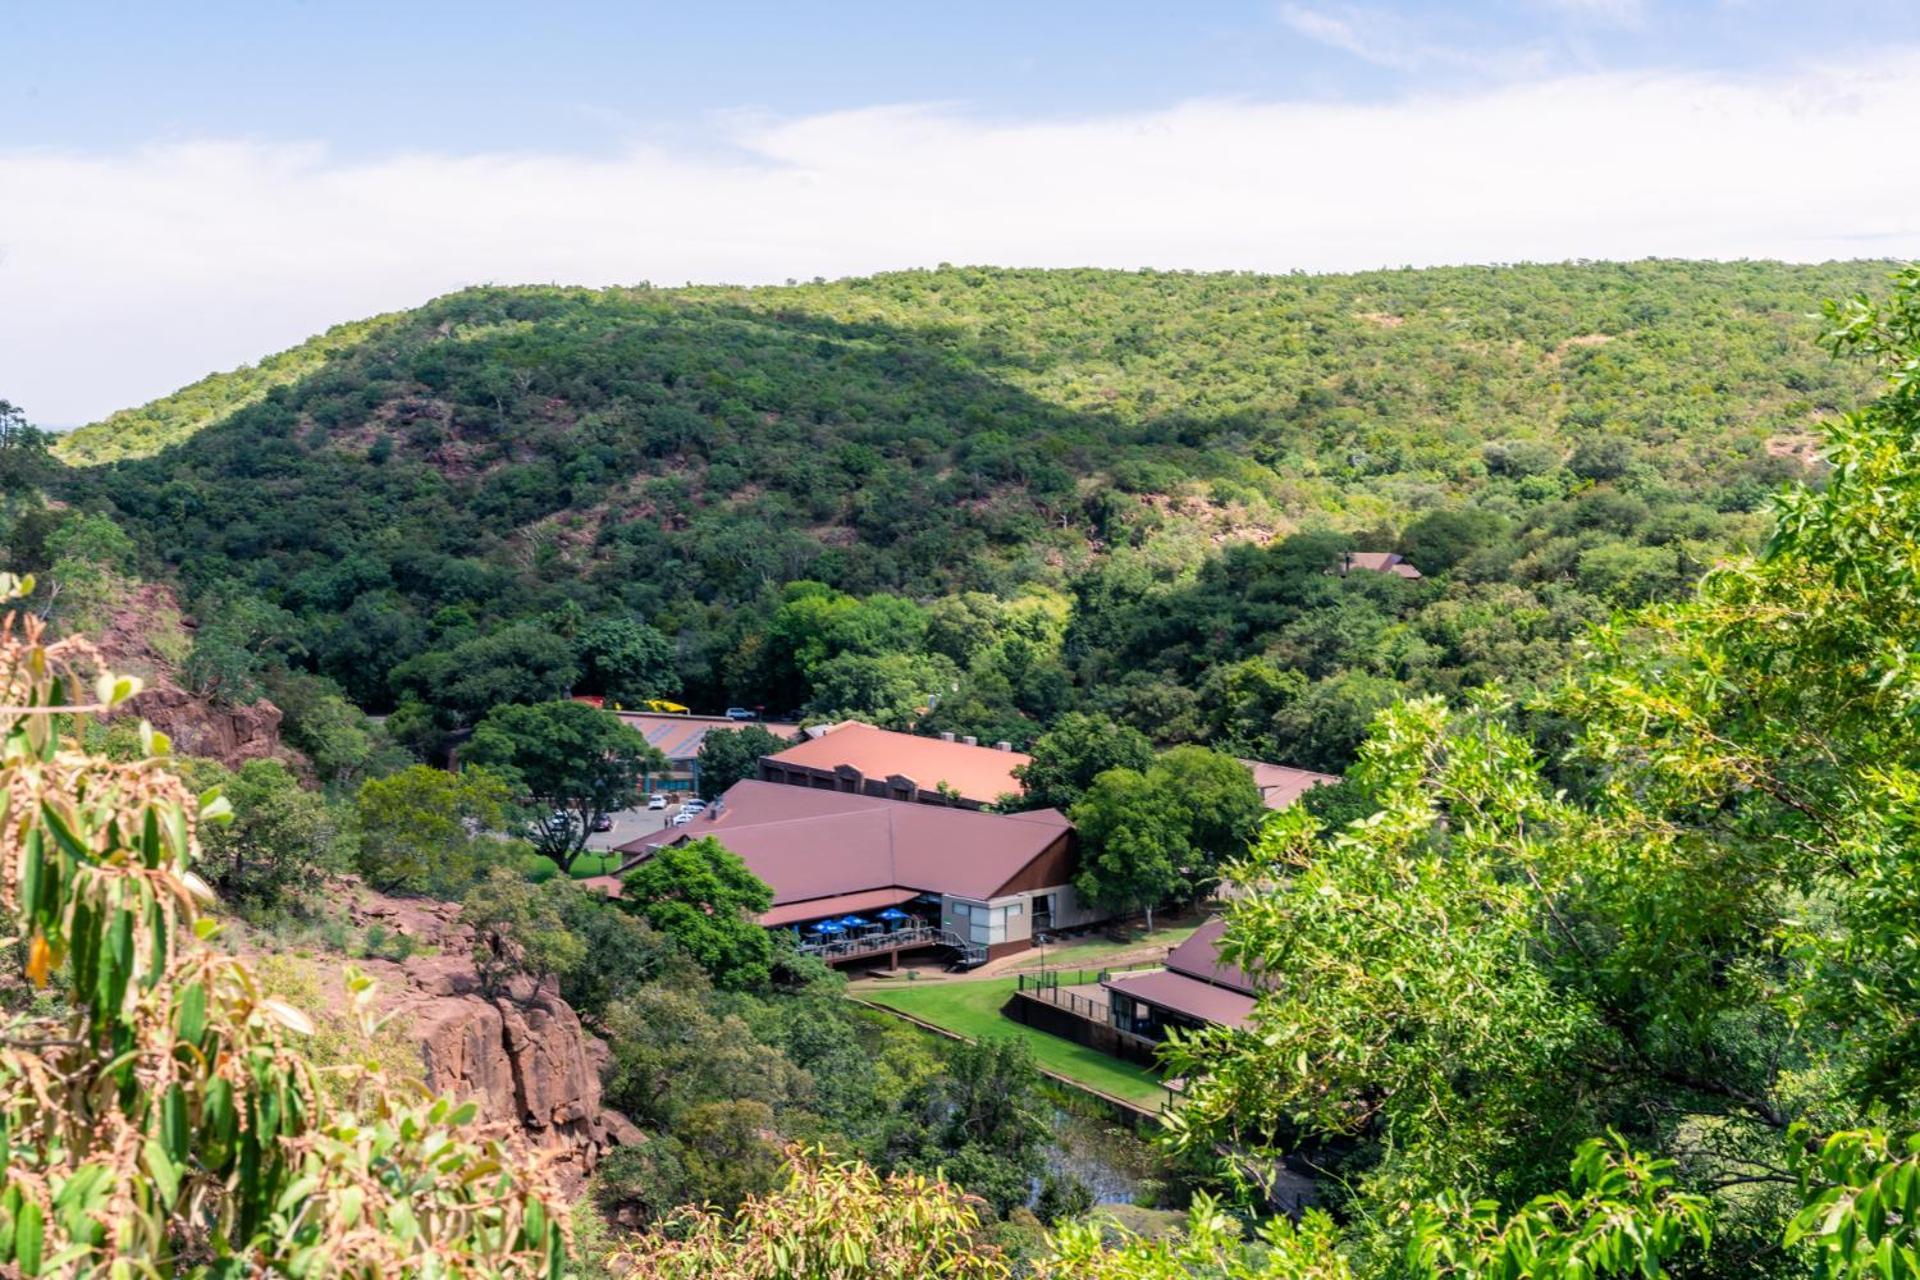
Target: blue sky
{"points": [[186, 187], [485, 75]]}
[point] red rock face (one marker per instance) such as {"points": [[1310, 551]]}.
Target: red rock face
{"points": [[523, 1055]]}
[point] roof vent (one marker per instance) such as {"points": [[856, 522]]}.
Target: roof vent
{"points": [[946, 737], [971, 741], [1003, 746]]}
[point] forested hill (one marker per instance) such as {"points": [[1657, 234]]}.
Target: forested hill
{"points": [[654, 454]]}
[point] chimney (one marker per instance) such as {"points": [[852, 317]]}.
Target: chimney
{"points": [[1003, 746], [971, 741], [946, 737]]}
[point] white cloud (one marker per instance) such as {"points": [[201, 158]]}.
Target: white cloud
{"points": [[125, 275]]}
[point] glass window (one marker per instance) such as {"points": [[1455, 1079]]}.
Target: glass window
{"points": [[961, 910], [1013, 911]]}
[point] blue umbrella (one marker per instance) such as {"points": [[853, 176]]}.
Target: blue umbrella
{"points": [[829, 926], [894, 913], [855, 922]]}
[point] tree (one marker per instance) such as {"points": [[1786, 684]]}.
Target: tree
{"points": [[517, 931], [570, 759], [892, 690], [726, 1152], [1216, 797], [700, 894], [1068, 757], [281, 844], [423, 830], [727, 756], [160, 1115], [825, 1219], [626, 661], [1133, 844], [517, 664]]}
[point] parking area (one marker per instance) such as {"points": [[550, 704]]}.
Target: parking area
{"points": [[630, 824]]}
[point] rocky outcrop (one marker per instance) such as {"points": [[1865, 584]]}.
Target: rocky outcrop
{"points": [[200, 727], [146, 636], [522, 1055]]}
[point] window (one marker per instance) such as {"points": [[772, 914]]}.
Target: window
{"points": [[1013, 911], [960, 910]]}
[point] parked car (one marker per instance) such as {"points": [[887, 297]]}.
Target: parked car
{"points": [[603, 822], [740, 713], [680, 819], [695, 805], [657, 802]]}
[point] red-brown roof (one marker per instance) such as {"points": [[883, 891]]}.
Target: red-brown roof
{"points": [[809, 843], [980, 774], [1181, 994], [1377, 562], [1196, 982], [1280, 785], [1199, 957], [680, 737], [845, 904]]}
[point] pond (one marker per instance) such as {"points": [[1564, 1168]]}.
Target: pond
{"points": [[1101, 1149]]}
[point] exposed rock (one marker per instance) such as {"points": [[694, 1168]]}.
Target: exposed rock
{"points": [[146, 636], [522, 1055]]}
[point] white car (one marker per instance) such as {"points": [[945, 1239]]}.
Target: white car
{"points": [[657, 802], [693, 806], [680, 819]]}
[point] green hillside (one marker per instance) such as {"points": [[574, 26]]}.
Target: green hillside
{"points": [[1104, 458], [138, 433]]}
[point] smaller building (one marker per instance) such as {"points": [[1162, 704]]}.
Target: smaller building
{"points": [[1376, 562], [860, 759], [1195, 990], [1280, 785], [679, 739]]}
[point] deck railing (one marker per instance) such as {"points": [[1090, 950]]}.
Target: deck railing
{"points": [[879, 944]]}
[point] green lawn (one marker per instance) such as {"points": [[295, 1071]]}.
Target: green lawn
{"points": [[1087, 953], [973, 1010]]}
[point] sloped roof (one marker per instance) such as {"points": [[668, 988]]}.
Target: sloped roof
{"points": [[1195, 982], [679, 737], [809, 843], [1377, 562], [844, 904], [980, 774], [1182, 994], [1280, 785], [1199, 957]]}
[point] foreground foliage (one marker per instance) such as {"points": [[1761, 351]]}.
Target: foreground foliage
{"points": [[156, 1114], [1707, 944]]}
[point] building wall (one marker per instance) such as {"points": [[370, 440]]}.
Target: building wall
{"points": [[848, 779]]}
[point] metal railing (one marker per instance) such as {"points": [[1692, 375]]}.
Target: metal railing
{"points": [[1047, 979], [874, 944]]}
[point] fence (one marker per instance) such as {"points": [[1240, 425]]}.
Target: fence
{"points": [[1055, 1013], [1050, 979], [879, 944]]}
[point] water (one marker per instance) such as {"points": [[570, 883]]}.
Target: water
{"points": [[1102, 1151]]}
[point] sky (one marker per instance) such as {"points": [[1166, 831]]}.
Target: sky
{"points": [[188, 187]]}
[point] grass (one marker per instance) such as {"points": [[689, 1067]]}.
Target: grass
{"points": [[972, 1009], [1087, 953]]}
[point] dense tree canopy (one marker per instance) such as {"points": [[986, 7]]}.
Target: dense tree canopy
{"points": [[575, 762], [700, 894]]}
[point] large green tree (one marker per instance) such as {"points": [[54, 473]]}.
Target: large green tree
{"points": [[1133, 844], [626, 661], [1068, 757], [576, 763], [700, 894], [283, 843], [423, 830], [727, 756]]}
